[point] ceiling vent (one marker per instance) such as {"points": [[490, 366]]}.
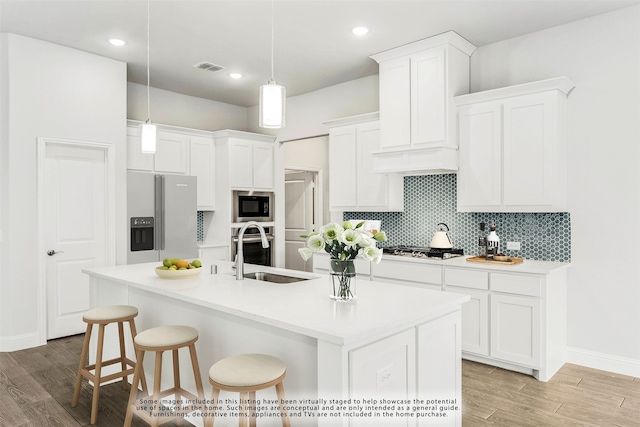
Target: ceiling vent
{"points": [[208, 66]]}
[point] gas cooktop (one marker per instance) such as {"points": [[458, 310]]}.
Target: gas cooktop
{"points": [[422, 252]]}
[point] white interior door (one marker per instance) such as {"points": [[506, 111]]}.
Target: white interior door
{"points": [[298, 217], [75, 234]]}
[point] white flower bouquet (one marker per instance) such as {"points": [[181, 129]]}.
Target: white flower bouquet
{"points": [[344, 242]]}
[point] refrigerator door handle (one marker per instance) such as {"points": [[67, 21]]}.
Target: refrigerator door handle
{"points": [[159, 212]]}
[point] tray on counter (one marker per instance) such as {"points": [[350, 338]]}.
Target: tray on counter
{"points": [[482, 259]]}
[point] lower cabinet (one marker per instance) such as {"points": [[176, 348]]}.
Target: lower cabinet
{"points": [[385, 368], [515, 329], [515, 321], [421, 275], [475, 320], [440, 365], [421, 363]]}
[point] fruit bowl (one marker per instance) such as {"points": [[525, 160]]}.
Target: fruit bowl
{"points": [[178, 274]]}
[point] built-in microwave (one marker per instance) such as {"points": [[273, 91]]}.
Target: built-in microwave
{"points": [[252, 206]]}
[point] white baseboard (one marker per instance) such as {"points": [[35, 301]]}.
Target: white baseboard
{"points": [[20, 342], [604, 362]]}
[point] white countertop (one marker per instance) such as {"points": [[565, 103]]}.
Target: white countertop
{"points": [[527, 266], [302, 307]]}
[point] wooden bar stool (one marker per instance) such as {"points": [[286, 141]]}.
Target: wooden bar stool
{"points": [[102, 316], [246, 374], [159, 340]]}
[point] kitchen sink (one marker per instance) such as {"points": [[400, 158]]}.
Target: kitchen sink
{"points": [[272, 277]]}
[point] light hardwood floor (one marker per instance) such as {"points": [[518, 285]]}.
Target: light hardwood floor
{"points": [[36, 387]]}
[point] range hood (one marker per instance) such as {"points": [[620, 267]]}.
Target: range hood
{"points": [[418, 126], [417, 161]]}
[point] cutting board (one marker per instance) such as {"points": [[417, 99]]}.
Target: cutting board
{"points": [[483, 260]]}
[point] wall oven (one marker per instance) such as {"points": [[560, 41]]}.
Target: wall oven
{"points": [[252, 206], [253, 251]]}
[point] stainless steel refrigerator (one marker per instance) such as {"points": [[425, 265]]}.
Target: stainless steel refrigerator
{"points": [[162, 216]]}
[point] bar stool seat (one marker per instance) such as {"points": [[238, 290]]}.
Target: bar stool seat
{"points": [[161, 339], [103, 316], [246, 374]]}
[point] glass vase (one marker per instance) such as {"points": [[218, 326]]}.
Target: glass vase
{"points": [[343, 280]]}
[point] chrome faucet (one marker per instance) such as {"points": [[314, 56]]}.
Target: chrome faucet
{"points": [[240, 255]]}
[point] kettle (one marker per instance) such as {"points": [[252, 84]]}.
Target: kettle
{"points": [[441, 239]]}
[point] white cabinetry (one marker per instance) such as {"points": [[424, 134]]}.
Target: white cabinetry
{"points": [[417, 114], [244, 161], [515, 329], [251, 164], [352, 184], [515, 321], [178, 151], [202, 162], [384, 369], [172, 149], [417, 274], [170, 156], [512, 144]]}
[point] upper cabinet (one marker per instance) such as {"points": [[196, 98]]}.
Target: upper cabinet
{"points": [[178, 151], [251, 164], [353, 185], [170, 156], [513, 148], [246, 159], [418, 81]]}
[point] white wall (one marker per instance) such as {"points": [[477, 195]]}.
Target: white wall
{"points": [[602, 57], [170, 108], [47, 91]]}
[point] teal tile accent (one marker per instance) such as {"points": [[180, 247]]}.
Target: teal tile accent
{"points": [[200, 227], [430, 199]]}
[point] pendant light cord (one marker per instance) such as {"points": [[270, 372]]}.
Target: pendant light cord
{"points": [[148, 56], [272, 41]]}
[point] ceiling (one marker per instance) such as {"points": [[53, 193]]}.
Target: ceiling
{"points": [[313, 43]]}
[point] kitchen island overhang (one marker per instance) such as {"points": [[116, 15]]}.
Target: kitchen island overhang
{"points": [[394, 342]]}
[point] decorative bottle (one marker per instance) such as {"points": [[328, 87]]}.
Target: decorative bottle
{"points": [[493, 242], [482, 241]]}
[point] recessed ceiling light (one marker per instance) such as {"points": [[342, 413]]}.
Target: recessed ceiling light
{"points": [[360, 31], [235, 75], [117, 42]]}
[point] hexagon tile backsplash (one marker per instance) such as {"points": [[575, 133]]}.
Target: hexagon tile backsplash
{"points": [[431, 199]]}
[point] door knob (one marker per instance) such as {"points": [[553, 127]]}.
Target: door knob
{"points": [[51, 252]]}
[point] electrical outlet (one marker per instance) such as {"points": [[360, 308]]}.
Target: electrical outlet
{"points": [[384, 377], [513, 246]]}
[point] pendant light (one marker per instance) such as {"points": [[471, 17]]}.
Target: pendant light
{"points": [[148, 129], [272, 97]]}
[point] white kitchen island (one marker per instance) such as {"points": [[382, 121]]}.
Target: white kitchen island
{"points": [[392, 357]]}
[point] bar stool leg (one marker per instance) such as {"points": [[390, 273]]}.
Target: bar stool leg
{"points": [[134, 388], [157, 382], [96, 377], [196, 371], [285, 416], [243, 415], [252, 413], [123, 362], [215, 395], [132, 329]]}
